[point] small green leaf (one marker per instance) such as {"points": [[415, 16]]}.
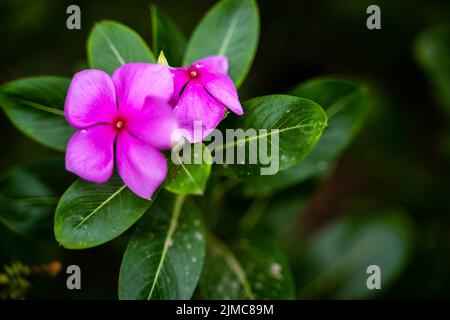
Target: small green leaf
{"points": [[230, 28], [167, 36], [336, 259], [29, 195], [189, 173], [432, 50], [36, 107], [164, 257], [346, 105], [112, 44], [296, 124], [90, 214], [253, 269]]}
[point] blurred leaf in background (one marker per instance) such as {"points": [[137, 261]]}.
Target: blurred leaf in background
{"points": [[230, 28], [167, 36], [29, 195], [336, 259], [432, 49], [252, 268]]}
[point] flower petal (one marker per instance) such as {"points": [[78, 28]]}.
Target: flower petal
{"points": [[153, 124], [180, 79], [90, 153], [91, 99], [198, 110], [213, 64], [136, 81], [142, 167], [222, 88]]}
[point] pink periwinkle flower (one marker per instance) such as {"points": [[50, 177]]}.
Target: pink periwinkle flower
{"points": [[126, 115], [202, 92]]}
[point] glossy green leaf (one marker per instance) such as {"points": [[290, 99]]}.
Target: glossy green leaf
{"points": [[112, 44], [337, 258], [189, 173], [293, 127], [164, 257], [252, 269], [167, 36], [230, 28], [29, 195], [432, 50], [346, 106], [36, 107], [90, 214]]}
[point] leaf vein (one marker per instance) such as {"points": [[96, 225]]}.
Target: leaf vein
{"points": [[99, 207]]}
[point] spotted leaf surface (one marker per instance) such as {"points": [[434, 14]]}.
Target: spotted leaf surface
{"points": [[165, 254], [252, 269], [89, 214]]}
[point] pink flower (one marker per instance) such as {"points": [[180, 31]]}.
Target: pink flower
{"points": [[202, 92], [128, 112]]}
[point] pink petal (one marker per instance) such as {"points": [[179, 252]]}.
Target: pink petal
{"points": [[213, 64], [180, 79], [197, 108], [90, 153], [136, 81], [153, 124], [141, 167], [91, 99], [222, 88]]}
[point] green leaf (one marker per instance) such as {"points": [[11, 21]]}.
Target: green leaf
{"points": [[29, 195], [299, 124], [276, 217], [346, 106], [36, 107], [432, 50], [90, 214], [167, 36], [230, 28], [253, 269], [112, 44], [189, 173], [336, 259], [164, 257]]}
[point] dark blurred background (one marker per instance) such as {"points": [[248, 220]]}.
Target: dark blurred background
{"points": [[397, 160]]}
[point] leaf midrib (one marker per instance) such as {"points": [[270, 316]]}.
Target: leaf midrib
{"points": [[33, 200], [99, 207], [234, 264], [38, 106], [112, 46], [229, 34], [172, 226], [248, 139], [339, 104], [197, 186]]}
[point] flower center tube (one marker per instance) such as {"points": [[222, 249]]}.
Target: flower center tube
{"points": [[193, 74], [119, 124]]}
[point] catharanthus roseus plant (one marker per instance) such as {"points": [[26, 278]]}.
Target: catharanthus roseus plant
{"points": [[118, 120], [129, 110]]}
